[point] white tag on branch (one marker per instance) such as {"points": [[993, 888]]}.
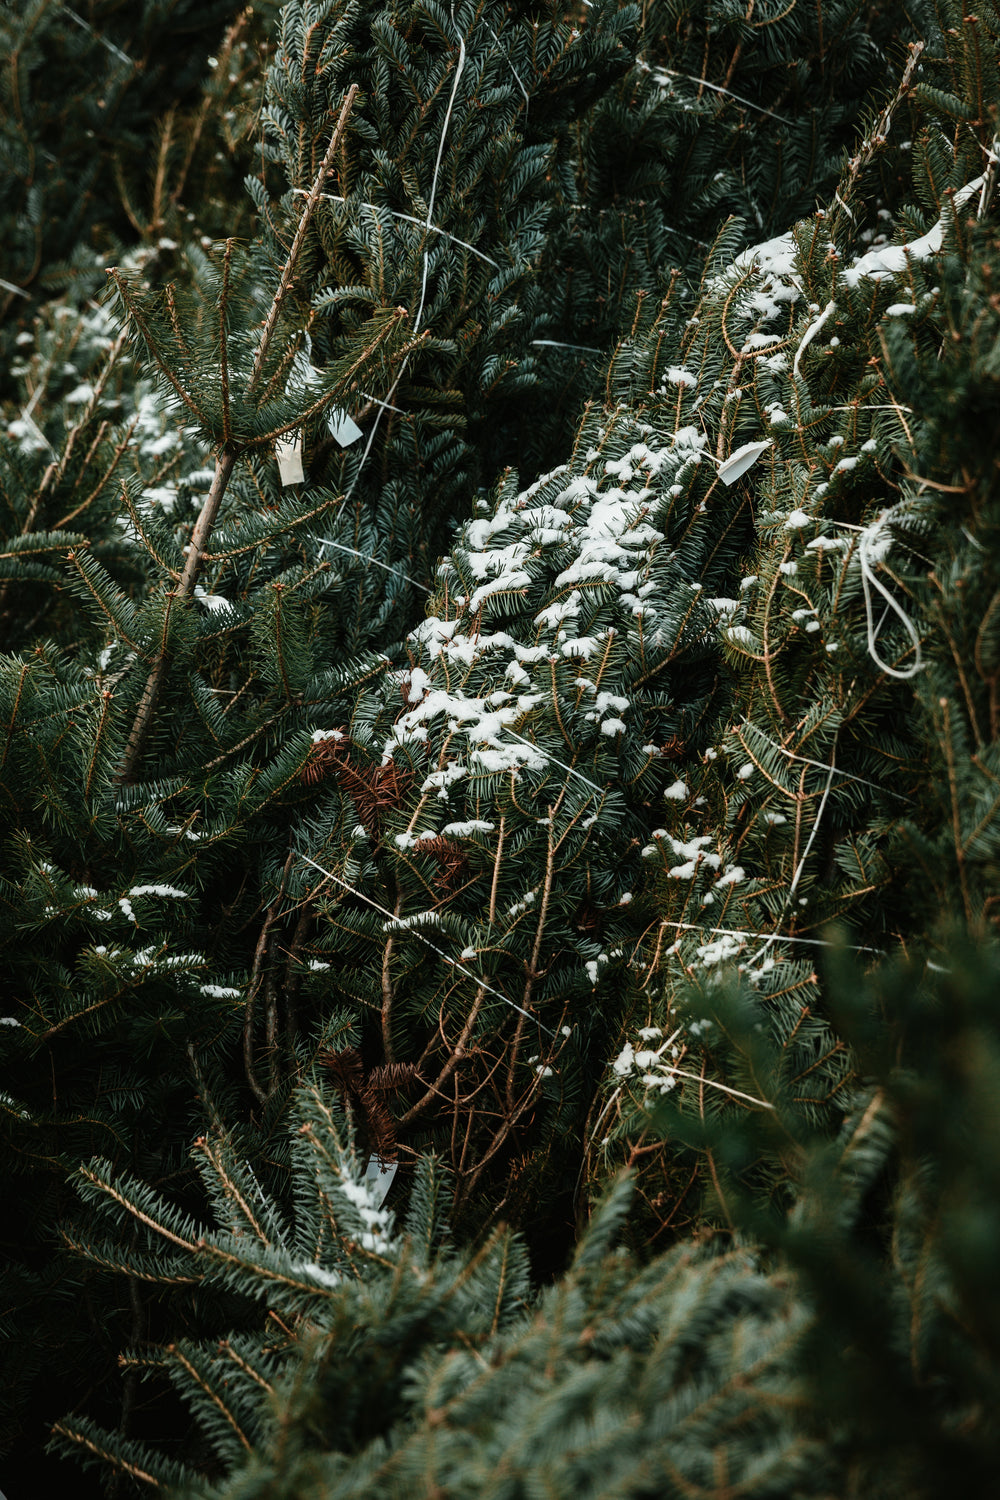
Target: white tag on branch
{"points": [[744, 458], [378, 1178], [344, 429], [288, 452]]}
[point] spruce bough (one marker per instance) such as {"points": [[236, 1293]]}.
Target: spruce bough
{"points": [[721, 674]]}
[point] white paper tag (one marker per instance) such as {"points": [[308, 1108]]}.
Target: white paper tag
{"points": [[378, 1178], [288, 452], [343, 428], [744, 458]]}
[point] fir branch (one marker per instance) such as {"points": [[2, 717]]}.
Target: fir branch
{"points": [[288, 271], [106, 1454], [224, 465], [198, 1380]]}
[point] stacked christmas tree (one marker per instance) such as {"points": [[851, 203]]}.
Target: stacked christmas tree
{"points": [[500, 748]]}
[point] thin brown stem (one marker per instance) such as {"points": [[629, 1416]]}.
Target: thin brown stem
{"points": [[297, 243], [387, 1047], [458, 1052], [224, 465], [496, 874], [259, 958]]}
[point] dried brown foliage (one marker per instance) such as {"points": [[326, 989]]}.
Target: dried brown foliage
{"points": [[367, 1095], [372, 789]]}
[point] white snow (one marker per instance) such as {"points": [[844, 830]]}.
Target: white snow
{"points": [[319, 1274], [893, 260], [625, 1060]]}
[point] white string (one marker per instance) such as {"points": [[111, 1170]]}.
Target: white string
{"points": [[776, 937], [376, 402], [869, 535], [26, 414], [437, 168], [597, 1126], [740, 932], [815, 829], [117, 51], [9, 286], [821, 765], [517, 76], [561, 763], [671, 1070], [505, 729], [989, 178], [844, 206], [423, 289], [716, 89], [410, 219], [810, 334], [366, 557], [558, 344], [424, 938], [715, 1084]]}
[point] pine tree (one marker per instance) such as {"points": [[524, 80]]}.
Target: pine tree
{"points": [[386, 1362], [473, 868], [894, 1225], [852, 1351], [829, 776], [727, 113], [672, 707], [85, 99], [205, 635]]}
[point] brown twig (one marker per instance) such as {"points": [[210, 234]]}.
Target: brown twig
{"points": [[224, 466], [297, 243], [226, 460], [458, 1052], [259, 958], [390, 1055]]}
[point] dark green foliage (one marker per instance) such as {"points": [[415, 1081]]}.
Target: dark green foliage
{"points": [[90, 95], [85, 429], [856, 1354], [895, 1231], [439, 206], [728, 112], [922, 1384], [854, 781], [490, 798], [515, 808], [142, 770], [390, 1362]]}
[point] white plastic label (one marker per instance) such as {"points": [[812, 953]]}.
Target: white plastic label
{"points": [[344, 429], [378, 1178], [744, 458], [288, 452]]}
